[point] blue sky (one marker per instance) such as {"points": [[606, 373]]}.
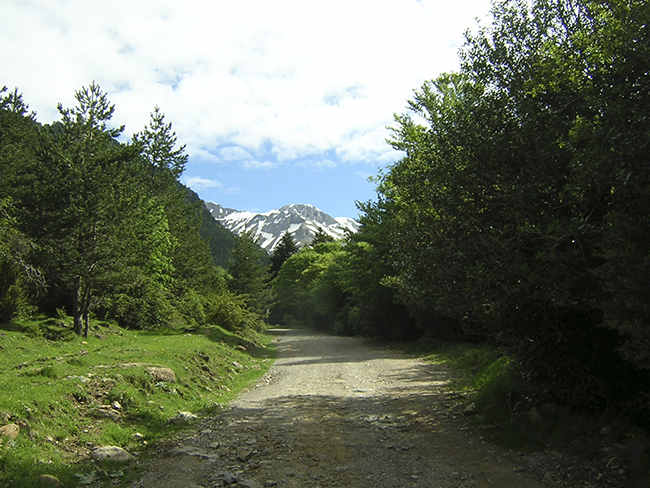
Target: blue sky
{"points": [[278, 101]]}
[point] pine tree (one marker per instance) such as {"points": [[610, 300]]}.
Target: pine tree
{"points": [[158, 144], [283, 251], [89, 211], [249, 276], [321, 238], [18, 143]]}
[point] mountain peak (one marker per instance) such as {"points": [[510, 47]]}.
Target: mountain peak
{"points": [[302, 221]]}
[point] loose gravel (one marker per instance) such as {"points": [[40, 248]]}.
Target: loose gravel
{"points": [[342, 412]]}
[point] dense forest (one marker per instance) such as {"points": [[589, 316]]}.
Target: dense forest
{"points": [[92, 226], [516, 216], [518, 213]]}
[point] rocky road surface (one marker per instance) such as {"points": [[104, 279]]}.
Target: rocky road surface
{"points": [[341, 412]]}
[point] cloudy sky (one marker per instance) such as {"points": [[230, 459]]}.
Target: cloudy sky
{"points": [[278, 101]]}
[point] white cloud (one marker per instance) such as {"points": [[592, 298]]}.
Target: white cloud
{"points": [[323, 164], [318, 165], [203, 155], [252, 164], [198, 182], [257, 83], [234, 153]]}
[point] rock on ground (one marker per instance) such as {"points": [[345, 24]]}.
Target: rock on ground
{"points": [[111, 453], [49, 480], [10, 430], [162, 374]]}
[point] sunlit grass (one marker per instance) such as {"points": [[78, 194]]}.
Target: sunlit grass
{"points": [[69, 395]]}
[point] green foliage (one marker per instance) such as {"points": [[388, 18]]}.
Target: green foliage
{"points": [[504, 399], [157, 143], [138, 306], [220, 239], [99, 227], [249, 275], [307, 288], [18, 143], [16, 275], [339, 286], [321, 238], [231, 312], [366, 271], [516, 215], [510, 215], [86, 208], [283, 251]]}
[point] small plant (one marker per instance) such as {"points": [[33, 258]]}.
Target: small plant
{"points": [[62, 315], [49, 372], [116, 435]]}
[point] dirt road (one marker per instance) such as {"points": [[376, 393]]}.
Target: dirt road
{"points": [[340, 412]]}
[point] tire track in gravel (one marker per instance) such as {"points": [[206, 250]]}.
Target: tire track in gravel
{"points": [[338, 412]]}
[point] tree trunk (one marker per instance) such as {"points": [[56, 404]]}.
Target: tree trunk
{"points": [[86, 324], [76, 307], [86, 310]]}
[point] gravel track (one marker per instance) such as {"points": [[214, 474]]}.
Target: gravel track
{"points": [[340, 412]]}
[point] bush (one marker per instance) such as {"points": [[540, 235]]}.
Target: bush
{"points": [[143, 307], [230, 312]]}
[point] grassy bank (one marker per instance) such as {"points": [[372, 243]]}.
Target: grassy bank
{"points": [[597, 447], [70, 395]]}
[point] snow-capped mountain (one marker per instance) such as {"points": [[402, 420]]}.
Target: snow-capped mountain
{"points": [[301, 221]]}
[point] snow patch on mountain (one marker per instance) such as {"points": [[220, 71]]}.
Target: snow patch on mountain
{"points": [[300, 220]]}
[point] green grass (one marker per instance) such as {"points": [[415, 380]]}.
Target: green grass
{"points": [[510, 413], [58, 388], [506, 401]]}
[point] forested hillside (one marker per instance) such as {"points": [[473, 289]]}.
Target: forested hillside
{"points": [[220, 239], [92, 226], [518, 213]]}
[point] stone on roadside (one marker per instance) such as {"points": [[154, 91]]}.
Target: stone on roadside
{"points": [[471, 409], [162, 374], [229, 478], [192, 451], [111, 453], [249, 484], [10, 430], [183, 418], [49, 480], [244, 454], [108, 412]]}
